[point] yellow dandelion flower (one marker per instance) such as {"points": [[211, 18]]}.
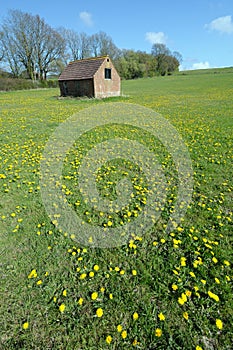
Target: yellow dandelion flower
{"points": [[122, 272], [219, 323], [161, 316], [119, 328], [80, 301], [185, 315], [91, 274], [135, 342], [32, 274], [124, 334], [158, 332], [25, 325], [213, 296], [110, 296], [99, 312], [181, 301], [226, 263], [214, 260], [134, 272], [198, 347], [188, 293], [108, 339], [64, 293], [135, 316], [96, 267], [102, 289], [174, 287], [39, 282], [62, 308], [94, 295], [82, 276]]}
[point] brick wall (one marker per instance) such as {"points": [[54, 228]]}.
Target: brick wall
{"points": [[107, 87]]}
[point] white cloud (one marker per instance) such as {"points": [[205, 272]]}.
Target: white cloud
{"points": [[86, 17], [221, 24], [156, 38], [200, 65]]}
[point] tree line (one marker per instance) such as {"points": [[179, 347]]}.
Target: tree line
{"points": [[30, 47]]}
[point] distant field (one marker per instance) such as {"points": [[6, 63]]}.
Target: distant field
{"points": [[158, 291]]}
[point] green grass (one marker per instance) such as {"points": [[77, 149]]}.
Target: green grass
{"points": [[199, 106]]}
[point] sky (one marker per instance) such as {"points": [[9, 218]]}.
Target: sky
{"points": [[201, 30]]}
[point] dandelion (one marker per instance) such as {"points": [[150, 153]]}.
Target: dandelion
{"points": [[188, 293], [108, 339], [96, 267], [91, 274], [25, 325], [134, 272], [32, 274], [213, 296], [158, 332], [39, 282], [62, 308], [99, 312], [185, 315], [119, 328], [198, 347], [64, 293], [174, 287], [124, 334], [135, 316], [219, 323], [183, 261], [161, 316], [82, 276], [94, 295], [80, 301], [110, 296]]}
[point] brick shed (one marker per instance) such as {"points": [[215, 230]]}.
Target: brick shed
{"points": [[91, 77]]}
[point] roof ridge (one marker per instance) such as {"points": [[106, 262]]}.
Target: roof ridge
{"points": [[89, 59]]}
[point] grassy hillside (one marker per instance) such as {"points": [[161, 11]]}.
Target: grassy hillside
{"points": [[159, 290]]}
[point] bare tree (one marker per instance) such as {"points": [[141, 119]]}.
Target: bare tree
{"points": [[10, 54], [85, 50], [49, 46], [102, 44], [72, 42], [30, 42], [1, 47]]}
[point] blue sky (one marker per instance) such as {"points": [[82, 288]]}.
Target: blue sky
{"points": [[201, 30]]}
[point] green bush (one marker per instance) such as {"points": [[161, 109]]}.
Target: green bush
{"points": [[10, 84]]}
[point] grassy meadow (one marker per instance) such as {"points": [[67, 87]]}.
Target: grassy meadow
{"points": [[158, 291]]}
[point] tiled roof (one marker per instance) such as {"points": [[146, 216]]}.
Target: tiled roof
{"points": [[82, 69]]}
